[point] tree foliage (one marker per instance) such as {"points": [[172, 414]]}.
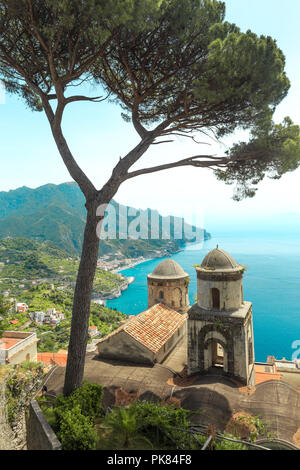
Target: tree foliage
{"points": [[272, 150], [4, 310], [194, 71], [43, 41]]}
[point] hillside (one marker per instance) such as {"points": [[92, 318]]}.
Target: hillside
{"points": [[57, 213], [26, 260]]}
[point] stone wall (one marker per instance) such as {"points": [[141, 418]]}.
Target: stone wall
{"points": [[17, 387], [28, 353], [232, 330], [230, 294], [123, 347], [6, 434], [173, 293], [171, 343], [40, 435]]}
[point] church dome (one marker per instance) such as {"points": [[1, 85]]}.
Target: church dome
{"points": [[168, 269], [219, 260]]}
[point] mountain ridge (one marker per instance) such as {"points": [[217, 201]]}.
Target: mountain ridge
{"points": [[57, 213]]}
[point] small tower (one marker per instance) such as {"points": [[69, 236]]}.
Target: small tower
{"points": [[220, 324], [169, 284]]}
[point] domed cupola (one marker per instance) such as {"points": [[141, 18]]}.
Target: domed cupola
{"points": [[219, 260], [168, 284], [219, 281], [168, 269]]}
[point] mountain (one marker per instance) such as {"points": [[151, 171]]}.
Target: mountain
{"points": [[57, 213]]}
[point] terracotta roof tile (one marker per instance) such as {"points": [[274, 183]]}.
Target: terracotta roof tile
{"points": [[261, 375], [60, 358], [153, 327]]}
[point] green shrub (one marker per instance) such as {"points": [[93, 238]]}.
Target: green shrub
{"points": [[164, 425], [51, 417], [73, 418], [125, 427], [88, 397], [76, 431], [229, 445]]}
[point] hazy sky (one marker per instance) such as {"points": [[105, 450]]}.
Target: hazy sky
{"points": [[98, 137]]}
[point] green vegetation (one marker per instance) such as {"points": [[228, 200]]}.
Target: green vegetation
{"points": [[73, 418], [228, 445], [106, 319], [152, 425], [25, 260], [249, 426], [53, 338], [20, 384], [22, 214], [80, 423], [4, 310]]}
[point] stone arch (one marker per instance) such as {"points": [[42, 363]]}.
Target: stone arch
{"points": [[210, 340], [215, 335], [226, 342]]}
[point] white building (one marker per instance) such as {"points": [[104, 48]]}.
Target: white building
{"points": [[17, 347]]}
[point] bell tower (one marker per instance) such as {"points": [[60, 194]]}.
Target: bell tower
{"points": [[169, 284], [220, 323]]}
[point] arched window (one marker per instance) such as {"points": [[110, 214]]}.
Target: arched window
{"points": [[161, 294], [215, 295]]}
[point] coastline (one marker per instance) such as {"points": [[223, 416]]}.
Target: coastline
{"points": [[129, 280], [124, 268]]}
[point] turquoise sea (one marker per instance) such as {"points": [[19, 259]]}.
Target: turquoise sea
{"points": [[271, 283]]}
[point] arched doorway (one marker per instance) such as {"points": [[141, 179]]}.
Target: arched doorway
{"points": [[215, 355], [213, 333]]}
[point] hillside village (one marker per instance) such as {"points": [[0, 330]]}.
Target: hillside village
{"points": [[46, 310]]}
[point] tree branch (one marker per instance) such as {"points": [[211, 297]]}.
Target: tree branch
{"points": [[191, 161], [95, 99]]}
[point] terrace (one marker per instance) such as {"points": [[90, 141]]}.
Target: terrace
{"points": [[17, 346]]}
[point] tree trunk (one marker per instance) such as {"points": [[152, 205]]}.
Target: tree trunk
{"points": [[89, 256], [82, 301]]}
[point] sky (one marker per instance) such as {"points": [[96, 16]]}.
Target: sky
{"points": [[98, 136]]}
